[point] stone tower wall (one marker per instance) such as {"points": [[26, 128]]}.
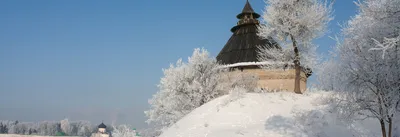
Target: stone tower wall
{"points": [[282, 80]]}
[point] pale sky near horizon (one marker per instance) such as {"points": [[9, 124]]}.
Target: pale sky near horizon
{"points": [[101, 60]]}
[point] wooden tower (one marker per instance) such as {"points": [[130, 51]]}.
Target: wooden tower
{"points": [[240, 54]]}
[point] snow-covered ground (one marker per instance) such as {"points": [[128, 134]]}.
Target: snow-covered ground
{"points": [[279, 114], [15, 135]]}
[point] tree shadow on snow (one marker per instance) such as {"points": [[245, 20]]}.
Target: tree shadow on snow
{"points": [[283, 125], [303, 123]]}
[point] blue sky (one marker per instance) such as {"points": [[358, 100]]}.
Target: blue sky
{"points": [[101, 60]]}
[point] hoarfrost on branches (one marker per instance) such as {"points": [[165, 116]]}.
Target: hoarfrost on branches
{"points": [[387, 43], [184, 87], [369, 81], [295, 23], [274, 54], [327, 75], [84, 128], [47, 128], [274, 58], [304, 20], [124, 131], [65, 127]]}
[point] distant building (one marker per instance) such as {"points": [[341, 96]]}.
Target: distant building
{"points": [[240, 55], [101, 132]]}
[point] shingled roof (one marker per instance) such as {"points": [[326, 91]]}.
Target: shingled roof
{"points": [[242, 46]]}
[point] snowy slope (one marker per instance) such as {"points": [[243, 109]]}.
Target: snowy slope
{"points": [[267, 115]]}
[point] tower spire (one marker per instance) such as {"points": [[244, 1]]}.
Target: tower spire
{"points": [[248, 10], [246, 17]]}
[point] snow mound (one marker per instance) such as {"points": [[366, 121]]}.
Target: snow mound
{"points": [[279, 114]]}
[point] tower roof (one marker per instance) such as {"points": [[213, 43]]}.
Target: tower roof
{"points": [[244, 42], [102, 125], [247, 10]]}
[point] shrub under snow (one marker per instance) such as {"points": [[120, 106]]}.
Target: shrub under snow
{"points": [[186, 86]]}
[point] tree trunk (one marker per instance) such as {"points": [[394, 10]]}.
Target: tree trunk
{"points": [[383, 127], [296, 66], [390, 127]]}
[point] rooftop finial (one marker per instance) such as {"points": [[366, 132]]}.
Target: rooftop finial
{"points": [[248, 10]]}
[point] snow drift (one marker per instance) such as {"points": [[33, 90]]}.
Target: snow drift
{"points": [[279, 114]]}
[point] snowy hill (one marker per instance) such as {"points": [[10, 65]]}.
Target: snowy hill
{"points": [[268, 115]]}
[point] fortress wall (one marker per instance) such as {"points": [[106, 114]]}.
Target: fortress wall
{"points": [[275, 79]]}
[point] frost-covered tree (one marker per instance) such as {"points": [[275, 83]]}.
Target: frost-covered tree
{"points": [[369, 81], [184, 87], [84, 128], [328, 74], [48, 128], [65, 126], [296, 23], [387, 44], [19, 127], [275, 58], [7, 125], [124, 131], [79, 128]]}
